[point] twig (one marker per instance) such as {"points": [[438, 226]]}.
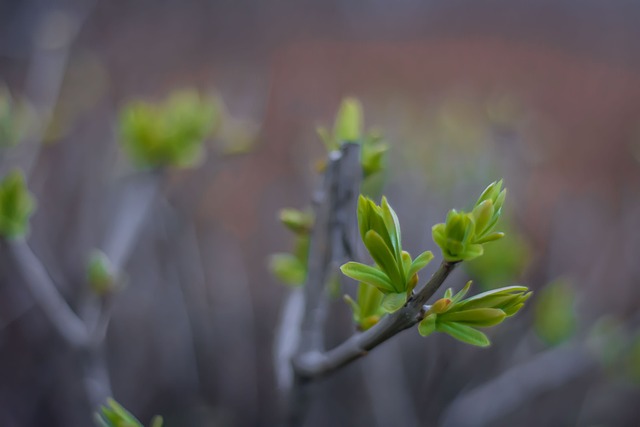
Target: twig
{"points": [[332, 239], [47, 296], [546, 371], [316, 365]]}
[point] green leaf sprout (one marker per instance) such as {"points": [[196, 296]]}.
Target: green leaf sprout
{"points": [[115, 415], [462, 235], [16, 206], [460, 317], [395, 273]]}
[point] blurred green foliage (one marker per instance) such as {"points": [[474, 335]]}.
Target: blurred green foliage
{"points": [[501, 262], [291, 268], [114, 415], [16, 205], [100, 275], [555, 319], [168, 134], [16, 119], [348, 127]]}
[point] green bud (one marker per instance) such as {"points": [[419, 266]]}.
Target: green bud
{"points": [[16, 206], [288, 269], [440, 306], [100, 274], [348, 124]]}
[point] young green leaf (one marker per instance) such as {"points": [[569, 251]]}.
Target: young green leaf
{"points": [[393, 302], [427, 326], [420, 262], [477, 318], [368, 274], [464, 333], [382, 255]]}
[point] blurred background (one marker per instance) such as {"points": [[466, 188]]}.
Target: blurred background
{"points": [[543, 93]]}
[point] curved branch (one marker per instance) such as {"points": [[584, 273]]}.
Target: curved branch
{"points": [[313, 365]]}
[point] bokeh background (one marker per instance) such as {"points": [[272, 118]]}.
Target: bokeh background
{"points": [[543, 93]]}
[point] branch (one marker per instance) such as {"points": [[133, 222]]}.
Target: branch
{"points": [[45, 293], [315, 365], [495, 399], [331, 240]]}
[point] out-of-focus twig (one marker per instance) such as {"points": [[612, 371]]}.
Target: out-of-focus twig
{"points": [[44, 292], [329, 244], [546, 371]]}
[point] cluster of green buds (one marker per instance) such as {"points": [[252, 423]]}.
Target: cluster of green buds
{"points": [[348, 127], [395, 273], [101, 276], [291, 268], [462, 235], [460, 317], [367, 309], [114, 415], [16, 205], [168, 134]]}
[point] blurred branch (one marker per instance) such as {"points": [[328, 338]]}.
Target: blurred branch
{"points": [[45, 293], [546, 371], [329, 244]]}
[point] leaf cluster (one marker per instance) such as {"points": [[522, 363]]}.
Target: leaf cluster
{"points": [[291, 268], [168, 134], [16, 205], [348, 127], [115, 415], [460, 317], [395, 273], [462, 235]]}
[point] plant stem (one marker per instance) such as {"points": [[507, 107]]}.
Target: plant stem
{"points": [[315, 365]]}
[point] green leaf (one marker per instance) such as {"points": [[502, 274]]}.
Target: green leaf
{"points": [[427, 326], [420, 262], [382, 255], [368, 274], [479, 317], [393, 227], [157, 421], [355, 308], [370, 300], [393, 302], [496, 298], [114, 415], [464, 333], [462, 292], [472, 251], [490, 238]]}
